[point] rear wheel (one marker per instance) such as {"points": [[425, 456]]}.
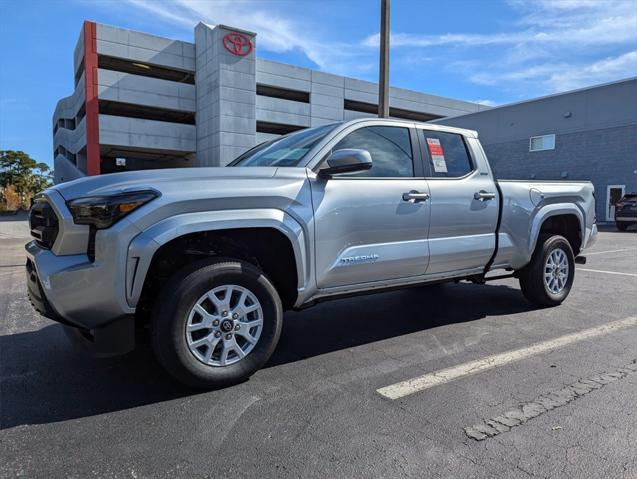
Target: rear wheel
{"points": [[621, 226], [216, 323], [547, 279]]}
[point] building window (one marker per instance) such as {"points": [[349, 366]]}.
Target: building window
{"points": [[129, 110], [283, 93], [145, 69], [276, 128], [544, 142]]}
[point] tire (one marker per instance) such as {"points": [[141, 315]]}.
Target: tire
{"points": [[621, 226], [177, 308], [532, 277]]}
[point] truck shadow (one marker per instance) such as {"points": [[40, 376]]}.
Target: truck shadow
{"points": [[352, 322], [43, 380]]}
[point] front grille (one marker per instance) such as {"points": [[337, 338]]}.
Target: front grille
{"points": [[43, 223]]}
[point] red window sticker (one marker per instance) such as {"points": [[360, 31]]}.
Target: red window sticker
{"points": [[435, 148], [437, 155]]}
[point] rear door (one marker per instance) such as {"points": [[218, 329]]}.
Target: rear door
{"points": [[367, 228], [464, 202]]}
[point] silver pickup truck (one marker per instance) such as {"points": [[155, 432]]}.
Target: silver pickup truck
{"points": [[208, 259]]}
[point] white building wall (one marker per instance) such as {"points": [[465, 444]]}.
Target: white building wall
{"points": [[73, 140], [282, 75], [141, 90], [69, 107], [64, 170], [151, 134], [142, 47], [287, 112], [78, 52]]}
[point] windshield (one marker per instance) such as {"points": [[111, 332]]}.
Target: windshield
{"points": [[288, 150]]}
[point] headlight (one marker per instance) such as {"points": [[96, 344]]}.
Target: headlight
{"points": [[104, 211]]}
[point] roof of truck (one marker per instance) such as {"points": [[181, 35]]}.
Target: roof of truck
{"points": [[418, 124]]}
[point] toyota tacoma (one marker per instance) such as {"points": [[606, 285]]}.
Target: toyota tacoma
{"points": [[206, 260]]}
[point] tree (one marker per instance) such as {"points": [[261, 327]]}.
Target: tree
{"points": [[11, 199], [26, 175]]}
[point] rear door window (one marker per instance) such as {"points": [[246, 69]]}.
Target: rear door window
{"points": [[447, 154]]}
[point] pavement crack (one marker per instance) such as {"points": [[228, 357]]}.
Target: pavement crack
{"points": [[526, 411]]}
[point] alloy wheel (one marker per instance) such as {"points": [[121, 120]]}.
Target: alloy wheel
{"points": [[224, 325]]}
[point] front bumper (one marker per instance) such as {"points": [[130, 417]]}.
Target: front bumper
{"points": [[626, 219], [37, 297], [75, 292]]}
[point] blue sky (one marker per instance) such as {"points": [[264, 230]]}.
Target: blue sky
{"points": [[492, 51]]}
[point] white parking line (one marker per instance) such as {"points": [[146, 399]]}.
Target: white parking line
{"points": [[420, 383], [607, 272], [610, 251]]}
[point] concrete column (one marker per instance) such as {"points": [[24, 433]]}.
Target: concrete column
{"points": [[326, 98], [225, 80]]}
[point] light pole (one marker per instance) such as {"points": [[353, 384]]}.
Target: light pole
{"points": [[383, 83]]}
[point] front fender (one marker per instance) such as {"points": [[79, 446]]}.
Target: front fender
{"points": [[142, 249]]}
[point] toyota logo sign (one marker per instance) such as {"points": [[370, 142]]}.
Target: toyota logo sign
{"points": [[238, 44]]}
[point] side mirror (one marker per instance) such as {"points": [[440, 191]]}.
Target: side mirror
{"points": [[346, 161]]}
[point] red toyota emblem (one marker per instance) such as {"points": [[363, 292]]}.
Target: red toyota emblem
{"points": [[237, 44]]}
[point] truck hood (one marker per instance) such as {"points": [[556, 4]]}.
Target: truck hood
{"points": [[157, 179]]}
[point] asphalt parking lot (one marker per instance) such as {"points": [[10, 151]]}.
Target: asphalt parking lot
{"points": [[452, 381]]}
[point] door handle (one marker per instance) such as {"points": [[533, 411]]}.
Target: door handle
{"points": [[413, 196], [483, 195]]}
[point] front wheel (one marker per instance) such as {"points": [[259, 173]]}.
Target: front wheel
{"points": [[216, 323], [621, 226], [547, 279]]}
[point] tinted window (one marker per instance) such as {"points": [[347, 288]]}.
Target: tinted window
{"points": [[447, 154], [288, 150], [389, 146]]}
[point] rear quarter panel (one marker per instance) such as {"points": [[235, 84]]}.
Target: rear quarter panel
{"points": [[525, 207]]}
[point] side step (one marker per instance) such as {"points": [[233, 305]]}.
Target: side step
{"points": [[481, 279]]}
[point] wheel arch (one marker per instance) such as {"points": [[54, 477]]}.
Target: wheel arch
{"points": [[273, 227], [564, 219]]}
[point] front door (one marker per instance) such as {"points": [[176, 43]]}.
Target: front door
{"points": [[367, 225], [464, 203]]}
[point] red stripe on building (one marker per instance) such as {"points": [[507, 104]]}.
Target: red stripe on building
{"points": [[92, 109]]}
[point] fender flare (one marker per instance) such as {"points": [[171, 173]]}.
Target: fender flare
{"points": [[554, 210], [142, 249]]}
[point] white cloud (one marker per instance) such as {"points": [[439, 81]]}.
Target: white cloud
{"points": [[275, 32], [559, 77], [553, 45], [602, 71], [601, 23], [484, 102], [416, 40]]}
